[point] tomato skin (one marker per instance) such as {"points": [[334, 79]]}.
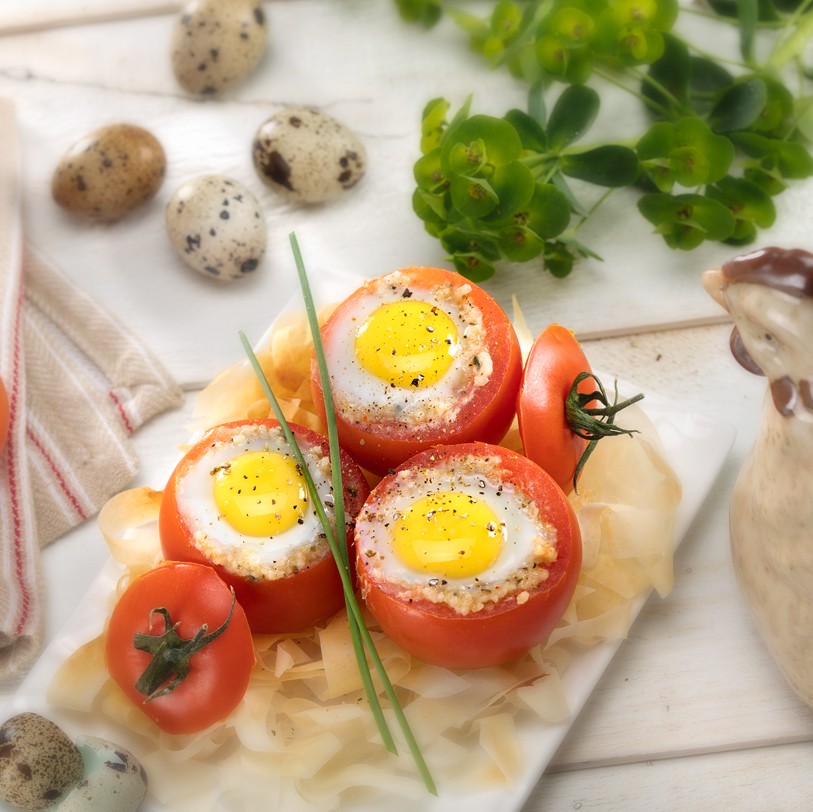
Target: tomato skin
{"points": [[383, 445], [219, 673], [553, 364], [501, 631], [4, 415], [296, 602]]}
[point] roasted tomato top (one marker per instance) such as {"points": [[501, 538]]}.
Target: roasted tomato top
{"points": [[468, 554], [418, 357], [238, 501]]}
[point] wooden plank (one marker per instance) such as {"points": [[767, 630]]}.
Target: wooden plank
{"points": [[752, 780], [29, 16]]}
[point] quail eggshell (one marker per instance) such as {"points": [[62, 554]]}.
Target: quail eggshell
{"points": [[38, 762], [216, 44], [216, 226], [114, 779], [109, 172], [308, 156]]}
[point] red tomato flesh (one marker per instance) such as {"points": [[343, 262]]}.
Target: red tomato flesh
{"points": [[555, 361], [273, 605], [219, 673], [380, 445], [502, 630]]}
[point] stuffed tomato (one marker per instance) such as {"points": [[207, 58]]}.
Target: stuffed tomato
{"points": [[416, 358], [239, 502], [467, 555]]}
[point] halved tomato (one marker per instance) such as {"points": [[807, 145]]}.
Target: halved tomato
{"points": [[237, 501], [467, 555], [418, 357], [180, 647]]}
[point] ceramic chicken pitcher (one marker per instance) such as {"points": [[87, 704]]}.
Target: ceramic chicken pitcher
{"points": [[769, 294]]}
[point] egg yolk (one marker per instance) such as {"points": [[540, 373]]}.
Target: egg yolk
{"points": [[449, 534], [261, 493], [408, 344]]}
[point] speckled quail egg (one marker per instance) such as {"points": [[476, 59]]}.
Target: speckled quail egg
{"points": [[216, 226], [109, 173], [308, 156], [216, 44], [38, 762], [114, 779]]}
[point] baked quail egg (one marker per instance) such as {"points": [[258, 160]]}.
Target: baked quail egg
{"points": [[467, 554], [239, 501], [418, 357]]}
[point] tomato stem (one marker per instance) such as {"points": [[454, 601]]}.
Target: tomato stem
{"points": [[171, 653], [593, 422]]}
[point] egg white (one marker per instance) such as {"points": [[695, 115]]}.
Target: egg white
{"points": [[266, 556], [529, 543], [367, 397]]}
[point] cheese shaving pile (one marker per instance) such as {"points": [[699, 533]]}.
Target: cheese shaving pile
{"points": [[303, 736]]}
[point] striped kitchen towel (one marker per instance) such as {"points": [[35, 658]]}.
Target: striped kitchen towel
{"points": [[78, 383]]}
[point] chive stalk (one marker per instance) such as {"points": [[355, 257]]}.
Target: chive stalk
{"points": [[358, 628]]}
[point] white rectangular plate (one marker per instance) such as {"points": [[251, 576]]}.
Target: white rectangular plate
{"points": [[696, 448]]}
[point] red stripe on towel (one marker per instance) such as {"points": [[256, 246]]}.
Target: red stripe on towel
{"points": [[122, 412], [63, 485], [13, 476]]}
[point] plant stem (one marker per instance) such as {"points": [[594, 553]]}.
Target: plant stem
{"points": [[793, 46]]}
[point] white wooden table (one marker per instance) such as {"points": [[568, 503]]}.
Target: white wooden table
{"points": [[692, 713]]}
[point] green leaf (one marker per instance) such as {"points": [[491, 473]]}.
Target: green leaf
{"points": [[559, 259], [514, 186], [428, 173], [500, 139], [425, 12], [537, 109], [748, 16], [476, 28], [468, 240], [472, 197], [519, 243], [689, 166], [548, 213], [790, 158], [685, 221], [572, 115], [473, 267], [775, 118], [750, 205], [666, 87], [739, 107], [572, 25], [433, 123], [687, 152], [531, 133], [466, 159], [610, 165], [430, 208], [707, 81]]}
